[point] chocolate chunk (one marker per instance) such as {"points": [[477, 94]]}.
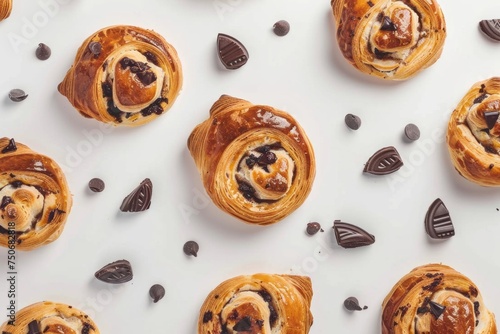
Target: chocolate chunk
{"points": [[436, 309], [281, 28], [412, 132], [17, 95], [385, 161], [96, 185], [6, 200], [352, 304], [151, 57], [208, 316], [126, 62], [43, 52], [244, 325], [139, 199], [87, 327], [313, 228], [11, 146], [491, 118], [107, 91], [491, 28], [480, 98], [34, 327], [267, 158], [351, 236], [353, 122], [191, 248], [380, 54], [438, 224], [246, 190], [371, 4], [95, 48], [157, 292], [476, 309], [115, 273], [146, 77], [232, 53], [251, 161], [387, 24]]}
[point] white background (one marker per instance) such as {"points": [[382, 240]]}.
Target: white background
{"points": [[302, 73]]}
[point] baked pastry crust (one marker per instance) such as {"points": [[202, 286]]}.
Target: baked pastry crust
{"points": [[52, 318], [474, 147], [34, 197], [230, 149], [260, 303], [407, 307], [135, 78], [5, 9], [390, 39]]}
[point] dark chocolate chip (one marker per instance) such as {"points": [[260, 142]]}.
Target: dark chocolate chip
{"points": [[6, 200], [139, 199], [34, 327], [313, 228], [476, 309], [157, 292], [17, 95], [412, 132], [244, 325], [380, 54], [251, 160], [43, 52], [208, 316], [232, 53], [151, 57], [436, 309], [267, 158], [126, 62], [115, 273], [16, 184], [11, 146], [353, 122], [96, 185], [87, 327], [385, 161], [146, 77], [281, 28], [247, 190], [480, 98], [371, 4], [351, 236], [352, 304], [438, 224], [491, 28], [107, 91], [491, 118], [191, 248], [387, 24], [95, 48]]}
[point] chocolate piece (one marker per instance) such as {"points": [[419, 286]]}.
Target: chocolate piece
{"points": [[438, 224], [115, 273], [491, 28], [353, 122], [208, 316], [436, 309], [351, 236], [43, 52], [157, 292], [267, 158], [380, 54], [34, 327], [139, 199], [246, 190], [244, 325], [251, 160], [313, 228], [11, 146], [387, 24], [232, 53], [412, 132], [96, 185], [6, 200], [385, 161], [480, 98], [17, 95], [352, 304], [191, 248], [95, 48], [491, 118], [146, 77], [281, 28]]}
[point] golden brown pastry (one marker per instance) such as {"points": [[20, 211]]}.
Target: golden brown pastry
{"points": [[123, 75], [255, 161], [5, 9], [258, 304], [50, 318], [473, 135], [436, 299], [34, 197], [390, 39]]}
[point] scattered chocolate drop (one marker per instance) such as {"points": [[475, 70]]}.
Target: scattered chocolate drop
{"points": [[281, 28], [96, 185], [139, 199], [352, 304], [191, 248], [385, 161], [157, 292], [353, 122], [412, 132], [491, 118], [491, 28], [313, 228], [17, 95], [438, 224], [436, 309], [95, 48], [232, 53], [115, 273], [351, 236], [11, 146], [43, 52]]}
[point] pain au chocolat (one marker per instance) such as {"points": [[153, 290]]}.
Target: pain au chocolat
{"points": [[255, 161], [5, 9], [390, 39], [123, 75]]}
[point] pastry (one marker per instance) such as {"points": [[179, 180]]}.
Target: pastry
{"points": [[255, 161], [123, 75], [390, 39], [259, 303], [50, 318], [34, 197], [473, 135], [5, 9], [436, 299]]}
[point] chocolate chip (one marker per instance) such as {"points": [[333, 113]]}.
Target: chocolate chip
{"points": [[251, 160], [232, 53], [17, 95], [313, 228], [11, 147], [281, 28], [157, 292], [352, 304], [353, 122], [139, 199], [267, 158], [244, 325], [385, 161], [43, 52], [480, 98], [491, 28], [476, 309], [491, 118], [380, 54], [6, 200], [96, 185], [126, 62], [438, 224], [34, 327], [151, 57], [387, 24], [115, 273], [95, 48], [412, 132], [107, 91], [146, 77], [247, 190], [191, 248], [208, 316], [436, 309], [351, 236]]}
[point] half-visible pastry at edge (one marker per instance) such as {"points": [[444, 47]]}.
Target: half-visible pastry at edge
{"points": [[435, 298], [123, 75], [50, 318], [35, 200], [5, 9], [255, 161], [260, 303], [390, 39]]}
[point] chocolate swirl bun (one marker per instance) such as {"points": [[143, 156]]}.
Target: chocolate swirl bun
{"points": [[255, 161], [390, 39], [123, 75], [473, 135], [34, 197], [436, 299], [5, 9], [260, 303], [50, 318]]}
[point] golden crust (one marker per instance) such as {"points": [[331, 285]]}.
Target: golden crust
{"points": [[83, 84], [5, 9], [269, 303], [234, 128], [406, 307]]}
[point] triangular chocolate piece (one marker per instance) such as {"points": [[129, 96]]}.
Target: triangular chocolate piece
{"points": [[436, 309], [139, 199], [387, 24], [232, 53], [438, 224], [491, 118], [385, 161], [11, 146], [491, 28], [351, 236], [33, 327]]}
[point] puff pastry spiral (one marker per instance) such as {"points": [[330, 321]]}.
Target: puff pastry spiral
{"points": [[390, 39], [50, 318], [255, 161], [123, 75], [34, 197], [473, 134], [5, 9], [258, 304], [436, 299]]}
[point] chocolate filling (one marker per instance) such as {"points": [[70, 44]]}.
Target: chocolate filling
{"points": [[269, 300], [151, 57]]}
